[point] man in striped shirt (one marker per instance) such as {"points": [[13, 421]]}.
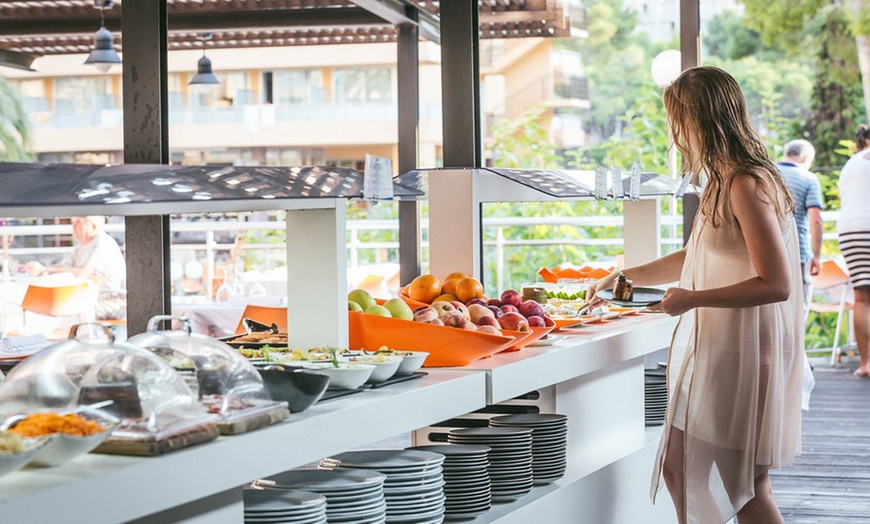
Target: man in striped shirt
{"points": [[807, 194]]}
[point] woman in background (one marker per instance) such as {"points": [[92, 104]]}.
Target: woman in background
{"points": [[853, 228], [735, 366]]}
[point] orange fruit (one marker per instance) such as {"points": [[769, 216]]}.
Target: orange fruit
{"points": [[446, 297], [468, 288], [449, 286], [459, 275], [424, 288]]}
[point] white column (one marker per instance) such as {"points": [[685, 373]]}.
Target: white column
{"points": [[642, 231], [317, 276], [454, 223]]}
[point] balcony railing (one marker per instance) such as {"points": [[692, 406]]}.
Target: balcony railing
{"points": [[246, 114], [211, 241]]}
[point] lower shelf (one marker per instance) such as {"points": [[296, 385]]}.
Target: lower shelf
{"points": [[590, 489]]}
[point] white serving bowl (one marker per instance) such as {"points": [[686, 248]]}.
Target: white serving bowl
{"points": [[64, 447], [10, 462], [345, 376], [385, 365], [411, 361]]}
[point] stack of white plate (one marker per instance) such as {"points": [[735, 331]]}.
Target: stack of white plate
{"points": [[352, 495], [655, 396], [549, 442], [467, 486], [414, 487], [510, 458], [290, 506]]}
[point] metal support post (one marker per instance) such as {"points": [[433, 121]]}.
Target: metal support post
{"points": [[146, 140], [410, 234], [460, 84]]}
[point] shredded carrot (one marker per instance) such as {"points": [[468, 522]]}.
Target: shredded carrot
{"points": [[38, 424]]}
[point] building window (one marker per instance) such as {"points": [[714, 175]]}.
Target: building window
{"points": [[233, 91], [298, 87], [83, 95], [364, 85]]}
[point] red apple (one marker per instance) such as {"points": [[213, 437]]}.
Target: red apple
{"points": [[453, 319], [507, 308], [494, 302], [487, 321], [513, 322], [492, 330], [496, 311], [549, 322], [530, 308], [511, 297], [469, 325], [536, 321], [443, 307], [476, 311], [479, 301], [462, 308], [424, 313]]}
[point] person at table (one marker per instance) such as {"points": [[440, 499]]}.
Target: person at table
{"points": [[96, 256], [735, 366]]}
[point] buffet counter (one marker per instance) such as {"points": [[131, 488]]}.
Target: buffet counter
{"points": [[205, 480]]}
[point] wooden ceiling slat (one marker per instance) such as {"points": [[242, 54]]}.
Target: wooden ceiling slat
{"points": [[72, 22]]}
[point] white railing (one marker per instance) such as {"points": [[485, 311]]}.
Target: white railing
{"points": [[210, 247]]}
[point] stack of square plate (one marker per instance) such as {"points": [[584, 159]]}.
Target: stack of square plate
{"points": [[655, 396], [414, 487], [549, 442], [467, 488], [352, 495], [290, 506], [510, 458]]}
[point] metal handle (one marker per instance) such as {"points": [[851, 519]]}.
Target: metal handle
{"points": [[155, 320], [107, 330]]}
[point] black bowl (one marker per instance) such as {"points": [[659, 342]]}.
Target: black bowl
{"points": [[297, 386]]}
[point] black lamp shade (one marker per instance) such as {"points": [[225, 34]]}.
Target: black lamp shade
{"points": [[103, 55], [204, 74]]}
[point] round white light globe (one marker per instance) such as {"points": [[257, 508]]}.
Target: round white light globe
{"points": [[666, 67]]}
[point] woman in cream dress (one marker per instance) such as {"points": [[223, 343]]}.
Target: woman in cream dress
{"points": [[736, 361]]}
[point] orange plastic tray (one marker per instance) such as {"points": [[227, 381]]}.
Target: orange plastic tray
{"points": [[536, 333], [564, 320], [447, 346]]}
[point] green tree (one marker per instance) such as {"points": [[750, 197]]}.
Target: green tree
{"points": [[729, 38], [788, 25], [14, 126]]}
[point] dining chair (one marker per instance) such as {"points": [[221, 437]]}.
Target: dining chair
{"points": [[264, 315], [832, 286], [58, 301]]}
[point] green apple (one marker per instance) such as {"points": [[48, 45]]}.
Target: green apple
{"points": [[378, 310], [399, 309], [353, 306], [361, 297]]}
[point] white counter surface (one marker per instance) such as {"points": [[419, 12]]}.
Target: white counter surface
{"points": [[98, 488], [590, 349]]}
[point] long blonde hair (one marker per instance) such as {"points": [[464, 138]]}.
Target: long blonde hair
{"points": [[706, 107]]}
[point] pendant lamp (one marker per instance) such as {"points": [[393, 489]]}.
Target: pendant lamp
{"points": [[103, 56], [204, 74]]}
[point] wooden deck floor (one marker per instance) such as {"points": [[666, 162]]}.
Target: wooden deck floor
{"points": [[830, 481]]}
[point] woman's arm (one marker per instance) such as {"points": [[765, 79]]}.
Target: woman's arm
{"points": [[659, 271], [760, 227]]}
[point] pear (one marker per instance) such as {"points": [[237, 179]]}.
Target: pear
{"points": [[399, 309], [378, 310], [361, 297]]}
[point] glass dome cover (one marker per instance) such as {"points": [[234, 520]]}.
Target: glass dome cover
{"points": [[151, 400], [226, 383]]}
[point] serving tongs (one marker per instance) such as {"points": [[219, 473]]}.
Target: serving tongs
{"points": [[252, 325]]}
